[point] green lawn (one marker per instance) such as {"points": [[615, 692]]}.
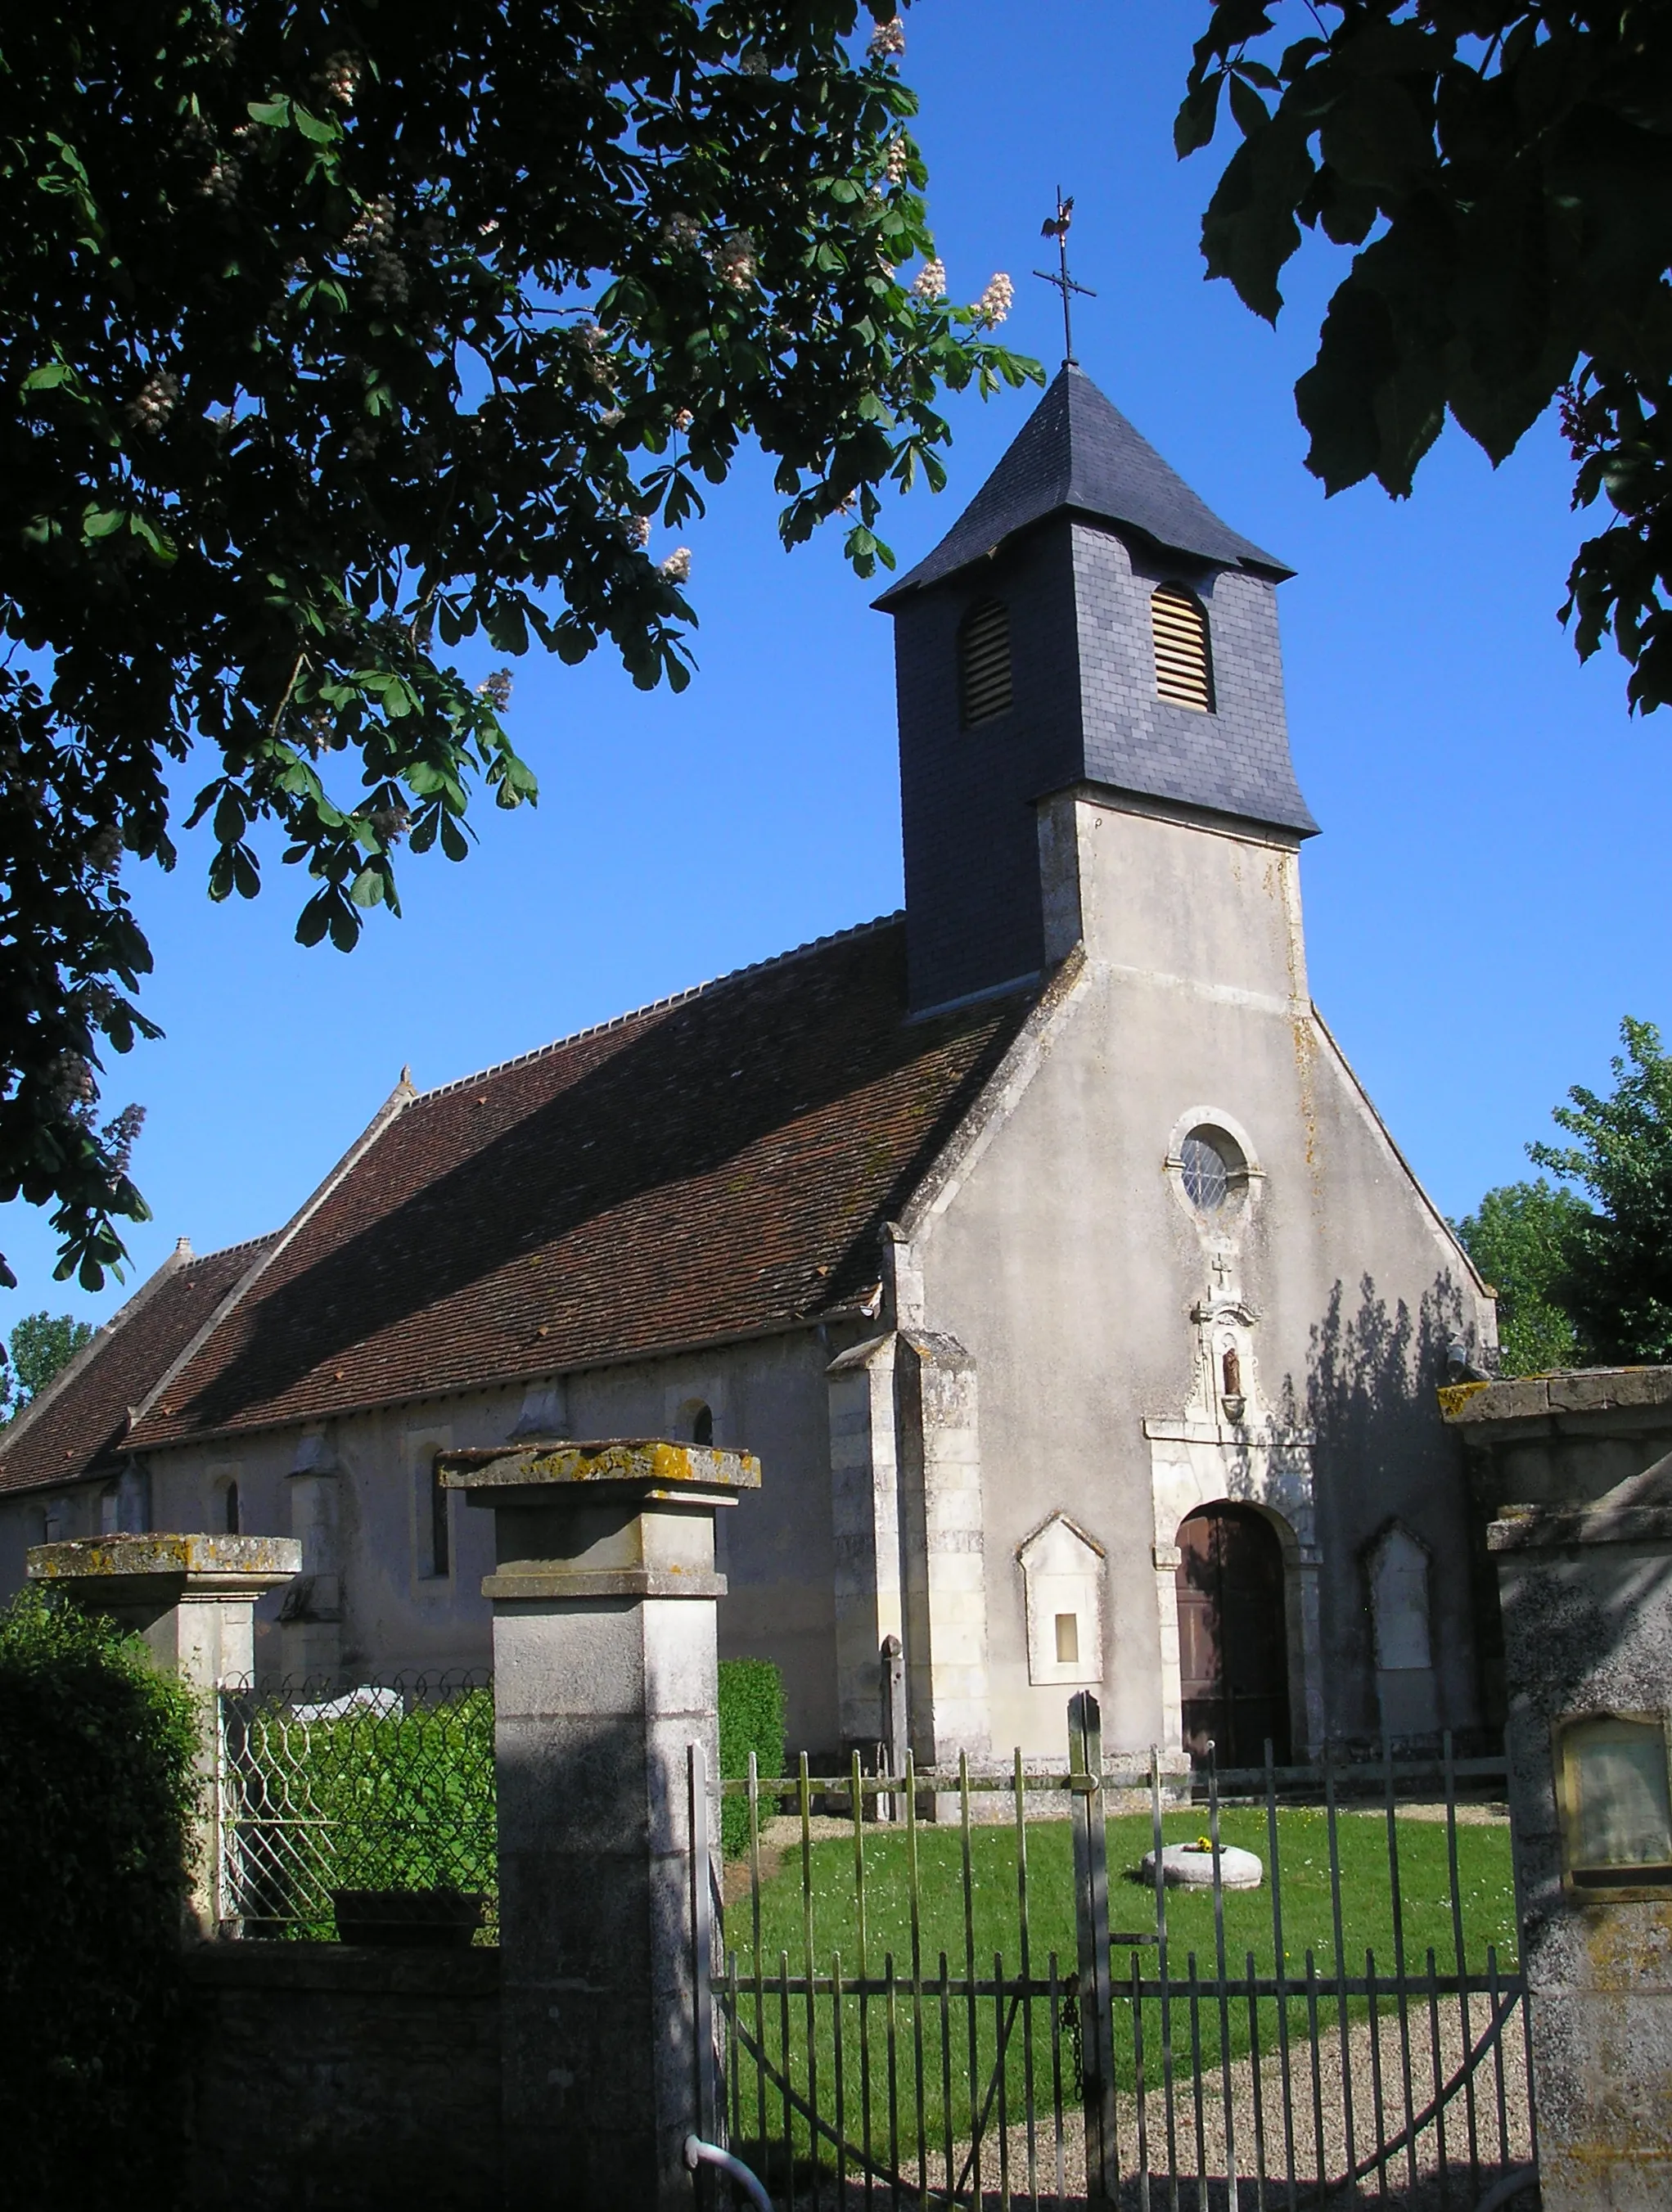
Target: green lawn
{"points": [[957, 2048]]}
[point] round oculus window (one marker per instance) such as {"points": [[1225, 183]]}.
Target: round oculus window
{"points": [[1211, 1163]]}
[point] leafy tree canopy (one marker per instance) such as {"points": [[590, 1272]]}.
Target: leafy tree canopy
{"points": [[41, 1344], [1519, 1238], [1618, 1276], [1504, 172], [333, 335]]}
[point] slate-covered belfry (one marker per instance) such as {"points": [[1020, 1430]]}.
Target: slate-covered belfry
{"points": [[1069, 542], [1039, 1240]]}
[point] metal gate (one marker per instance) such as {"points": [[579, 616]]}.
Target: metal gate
{"points": [[1001, 2005]]}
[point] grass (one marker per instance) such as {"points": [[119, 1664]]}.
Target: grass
{"points": [[960, 2040]]}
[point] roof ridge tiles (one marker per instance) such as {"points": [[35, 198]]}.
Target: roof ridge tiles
{"points": [[224, 1251], [655, 1006]]}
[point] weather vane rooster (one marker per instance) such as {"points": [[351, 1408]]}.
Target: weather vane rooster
{"points": [[1056, 227]]}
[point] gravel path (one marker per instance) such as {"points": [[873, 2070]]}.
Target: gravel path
{"points": [[1434, 2176]]}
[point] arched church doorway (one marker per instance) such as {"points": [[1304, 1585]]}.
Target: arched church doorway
{"points": [[1233, 1646]]}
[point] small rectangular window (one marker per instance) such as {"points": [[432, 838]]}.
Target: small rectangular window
{"points": [[1068, 1639], [441, 1528]]}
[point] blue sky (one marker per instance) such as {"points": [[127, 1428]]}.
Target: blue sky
{"points": [[1483, 907]]}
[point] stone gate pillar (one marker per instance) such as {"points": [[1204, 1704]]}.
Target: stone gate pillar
{"points": [[1586, 1592], [193, 1600], [605, 1673]]}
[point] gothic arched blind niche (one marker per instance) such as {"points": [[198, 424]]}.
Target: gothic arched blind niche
{"points": [[1183, 665], [984, 662]]}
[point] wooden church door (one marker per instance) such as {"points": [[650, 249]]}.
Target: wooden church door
{"points": [[1232, 1639]]}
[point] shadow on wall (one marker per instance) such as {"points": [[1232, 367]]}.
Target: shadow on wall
{"points": [[1383, 1452]]}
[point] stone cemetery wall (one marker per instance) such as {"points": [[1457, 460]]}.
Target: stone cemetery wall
{"points": [[342, 2080]]}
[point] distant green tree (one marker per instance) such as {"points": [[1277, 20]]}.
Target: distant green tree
{"points": [[1520, 1238], [41, 1344], [1619, 1279]]}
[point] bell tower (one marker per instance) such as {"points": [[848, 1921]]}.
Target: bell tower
{"points": [[1087, 635]]}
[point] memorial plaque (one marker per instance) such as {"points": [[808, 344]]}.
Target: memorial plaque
{"points": [[1616, 1804]]}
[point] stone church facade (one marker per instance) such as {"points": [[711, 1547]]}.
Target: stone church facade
{"points": [[1040, 1240]]}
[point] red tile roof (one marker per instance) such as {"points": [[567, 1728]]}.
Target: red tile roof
{"points": [[77, 1426], [714, 1166]]}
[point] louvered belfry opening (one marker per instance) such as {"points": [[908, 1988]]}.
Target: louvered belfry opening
{"points": [[984, 661], [1183, 665]]}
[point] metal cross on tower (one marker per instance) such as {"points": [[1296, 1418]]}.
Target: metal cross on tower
{"points": [[1057, 227]]}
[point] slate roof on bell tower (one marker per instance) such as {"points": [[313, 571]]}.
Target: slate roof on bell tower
{"points": [[1077, 452]]}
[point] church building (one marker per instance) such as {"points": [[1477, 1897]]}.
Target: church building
{"points": [[1082, 1313]]}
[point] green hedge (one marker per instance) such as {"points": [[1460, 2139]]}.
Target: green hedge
{"points": [[751, 1718], [401, 1800], [97, 1786]]}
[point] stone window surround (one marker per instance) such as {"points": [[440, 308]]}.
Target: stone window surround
{"points": [[1245, 1185]]}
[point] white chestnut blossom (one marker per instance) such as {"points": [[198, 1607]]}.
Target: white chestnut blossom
{"points": [[340, 78], [995, 302], [736, 261], [930, 281], [221, 182], [676, 567], [595, 359], [888, 40], [635, 530], [684, 419], [680, 230], [899, 159], [154, 403], [374, 230]]}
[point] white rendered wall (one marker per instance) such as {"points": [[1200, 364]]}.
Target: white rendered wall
{"points": [[1057, 1251]]}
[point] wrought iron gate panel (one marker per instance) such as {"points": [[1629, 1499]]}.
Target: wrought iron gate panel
{"points": [[876, 2047]]}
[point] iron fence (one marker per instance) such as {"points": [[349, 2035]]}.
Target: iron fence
{"points": [[342, 1812], [1011, 2007]]}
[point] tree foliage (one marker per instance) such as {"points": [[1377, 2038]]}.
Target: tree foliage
{"points": [[41, 1344], [336, 335], [1504, 172], [97, 1783], [1520, 1236], [1618, 1284]]}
